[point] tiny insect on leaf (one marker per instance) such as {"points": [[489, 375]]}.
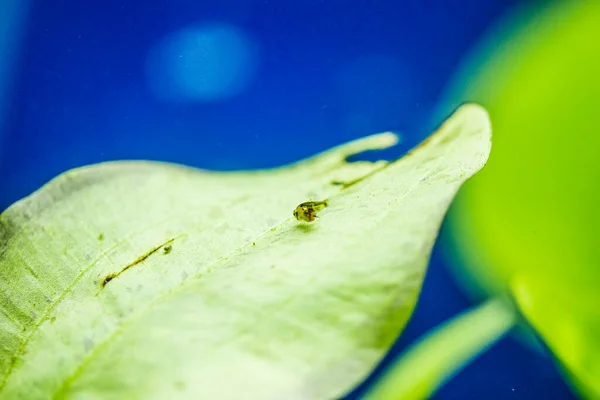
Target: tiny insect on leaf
{"points": [[307, 211]]}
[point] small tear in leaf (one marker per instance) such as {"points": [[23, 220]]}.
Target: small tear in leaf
{"points": [[373, 156]]}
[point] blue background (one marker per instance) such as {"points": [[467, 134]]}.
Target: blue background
{"points": [[327, 71]]}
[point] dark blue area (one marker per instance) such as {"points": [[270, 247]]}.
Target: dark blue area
{"points": [[81, 97]]}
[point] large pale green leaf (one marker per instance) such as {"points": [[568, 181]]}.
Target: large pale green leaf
{"points": [[143, 280]]}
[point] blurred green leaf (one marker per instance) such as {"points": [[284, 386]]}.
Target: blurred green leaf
{"points": [[142, 280], [442, 353], [528, 223]]}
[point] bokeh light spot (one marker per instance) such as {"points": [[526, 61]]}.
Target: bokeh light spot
{"points": [[208, 62]]}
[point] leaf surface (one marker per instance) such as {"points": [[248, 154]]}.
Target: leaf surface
{"points": [[145, 280]]}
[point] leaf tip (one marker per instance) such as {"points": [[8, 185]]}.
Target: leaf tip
{"points": [[477, 116]]}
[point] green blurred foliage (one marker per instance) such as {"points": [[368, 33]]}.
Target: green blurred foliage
{"points": [[527, 223]]}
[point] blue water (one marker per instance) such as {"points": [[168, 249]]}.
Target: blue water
{"points": [[118, 79]]}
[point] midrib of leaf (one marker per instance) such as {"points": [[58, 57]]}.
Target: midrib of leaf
{"points": [[208, 270]]}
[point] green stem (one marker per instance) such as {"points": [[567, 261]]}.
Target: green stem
{"points": [[443, 352]]}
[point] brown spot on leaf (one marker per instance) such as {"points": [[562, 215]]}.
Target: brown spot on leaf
{"points": [[108, 278]]}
